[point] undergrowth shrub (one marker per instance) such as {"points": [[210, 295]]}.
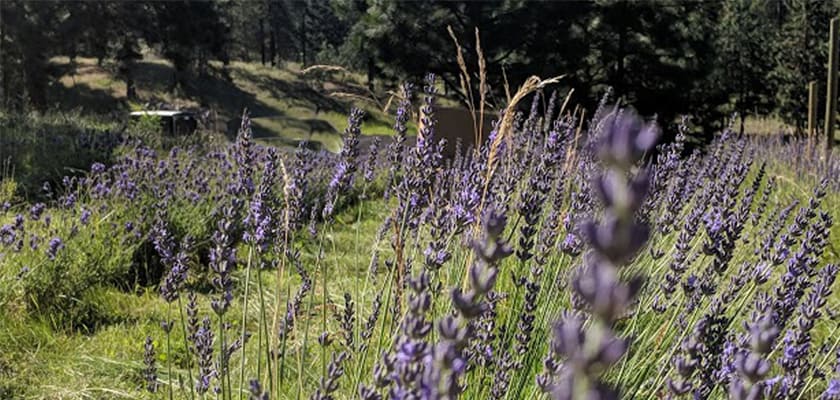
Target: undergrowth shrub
{"points": [[61, 261], [44, 148]]}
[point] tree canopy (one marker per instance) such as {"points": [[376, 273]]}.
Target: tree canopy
{"points": [[703, 58]]}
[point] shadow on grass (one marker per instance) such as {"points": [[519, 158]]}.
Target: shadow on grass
{"points": [[86, 98], [272, 99], [216, 90], [297, 92]]}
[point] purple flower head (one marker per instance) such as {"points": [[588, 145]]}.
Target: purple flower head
{"points": [[256, 391], [150, 371], [396, 150], [174, 280], [203, 345], [7, 234], [223, 259], [571, 245], [614, 244], [330, 382], [832, 392], [447, 363], [370, 162], [244, 157], [54, 246], [259, 223], [163, 242], [346, 166], [97, 168], [36, 210], [613, 241], [627, 138], [69, 201]]}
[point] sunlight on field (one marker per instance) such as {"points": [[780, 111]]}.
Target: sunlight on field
{"points": [[767, 126], [285, 107]]}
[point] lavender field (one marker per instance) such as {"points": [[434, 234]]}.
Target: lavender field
{"points": [[562, 259]]}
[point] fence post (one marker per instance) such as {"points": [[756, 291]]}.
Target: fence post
{"points": [[812, 110], [831, 90]]}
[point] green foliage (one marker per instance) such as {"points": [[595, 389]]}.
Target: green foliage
{"points": [[745, 33], [802, 51], [145, 125], [59, 289], [43, 148]]}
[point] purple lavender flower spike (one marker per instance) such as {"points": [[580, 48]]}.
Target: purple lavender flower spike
{"points": [[256, 391], [832, 392], [329, 383], [177, 275], [447, 362], [203, 344], [36, 210], [149, 360], [346, 166], [396, 150], [616, 239], [223, 260], [752, 366], [369, 172], [259, 228], [53, 247], [797, 344]]}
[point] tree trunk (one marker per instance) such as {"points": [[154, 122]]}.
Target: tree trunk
{"points": [[741, 94], [4, 98], [780, 14], [303, 34], [261, 39], [619, 82], [201, 63], [4, 73], [371, 73], [272, 45], [130, 91], [35, 78]]}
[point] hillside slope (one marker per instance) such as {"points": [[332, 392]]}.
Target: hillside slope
{"points": [[285, 104]]}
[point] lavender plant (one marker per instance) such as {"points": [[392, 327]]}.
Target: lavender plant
{"points": [[218, 244], [581, 354]]}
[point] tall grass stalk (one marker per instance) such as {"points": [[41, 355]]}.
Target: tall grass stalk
{"points": [[187, 347], [243, 331], [262, 335], [169, 349]]}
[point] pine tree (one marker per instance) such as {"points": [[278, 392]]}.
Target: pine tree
{"points": [[802, 57], [744, 35]]}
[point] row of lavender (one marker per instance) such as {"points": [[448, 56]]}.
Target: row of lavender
{"points": [[548, 262]]}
